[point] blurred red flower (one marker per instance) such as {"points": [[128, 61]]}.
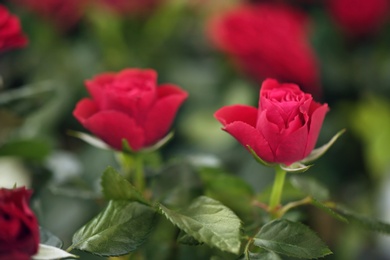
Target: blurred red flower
{"points": [[268, 40], [64, 14], [359, 17], [19, 232], [11, 35]]}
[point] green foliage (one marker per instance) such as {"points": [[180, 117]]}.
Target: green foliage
{"points": [[32, 149], [292, 239], [328, 210], [116, 187], [121, 228], [364, 221], [370, 122], [231, 190], [267, 255], [310, 187], [208, 221]]}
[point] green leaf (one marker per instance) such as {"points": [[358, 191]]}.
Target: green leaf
{"points": [[208, 221], [291, 238], [317, 153], [231, 190], [116, 187], [89, 139], [267, 255], [310, 187], [328, 210], [46, 252], [186, 239], [121, 228], [32, 149], [364, 221]]}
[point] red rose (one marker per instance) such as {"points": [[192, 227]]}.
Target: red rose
{"points": [[285, 127], [19, 232], [359, 17], [63, 13], [11, 35], [268, 40], [129, 105]]}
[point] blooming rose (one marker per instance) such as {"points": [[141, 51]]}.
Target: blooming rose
{"points": [[129, 105], [285, 127], [268, 40], [11, 35], [19, 232], [359, 17], [63, 13]]}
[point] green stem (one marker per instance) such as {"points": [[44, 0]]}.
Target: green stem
{"points": [[139, 178], [277, 188]]}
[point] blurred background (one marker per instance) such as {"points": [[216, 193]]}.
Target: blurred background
{"points": [[219, 51]]}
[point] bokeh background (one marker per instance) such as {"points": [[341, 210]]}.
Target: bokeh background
{"points": [[338, 50]]}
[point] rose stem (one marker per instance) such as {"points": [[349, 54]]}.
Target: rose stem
{"points": [[277, 188], [139, 180]]}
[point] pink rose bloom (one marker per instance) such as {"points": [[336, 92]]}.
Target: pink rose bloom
{"points": [[268, 40], [283, 129], [129, 105], [19, 232], [11, 35]]}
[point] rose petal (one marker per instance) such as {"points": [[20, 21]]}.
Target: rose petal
{"points": [[97, 85], [315, 124], [248, 135], [229, 114], [85, 108], [132, 92], [162, 114], [292, 146], [112, 127]]}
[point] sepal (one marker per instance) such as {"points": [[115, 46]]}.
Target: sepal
{"points": [[318, 152], [258, 159], [296, 167]]}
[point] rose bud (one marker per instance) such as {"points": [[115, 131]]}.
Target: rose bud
{"points": [[283, 129], [129, 105]]}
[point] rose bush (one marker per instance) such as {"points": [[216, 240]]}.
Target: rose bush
{"points": [[268, 40], [359, 17], [283, 129], [19, 232], [11, 35], [129, 105]]}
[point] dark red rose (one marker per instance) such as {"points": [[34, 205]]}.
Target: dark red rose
{"points": [[125, 7], [19, 232], [11, 35], [268, 40], [359, 17], [129, 105], [64, 14], [283, 129]]}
